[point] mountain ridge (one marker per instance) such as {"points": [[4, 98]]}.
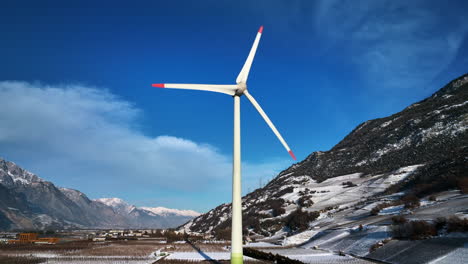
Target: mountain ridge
{"points": [[120, 204], [30, 202]]}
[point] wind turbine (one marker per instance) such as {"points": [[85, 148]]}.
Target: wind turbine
{"points": [[236, 91]]}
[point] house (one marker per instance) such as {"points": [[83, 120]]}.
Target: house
{"points": [[29, 238]]}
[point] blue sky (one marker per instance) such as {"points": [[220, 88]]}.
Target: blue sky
{"points": [[77, 107]]}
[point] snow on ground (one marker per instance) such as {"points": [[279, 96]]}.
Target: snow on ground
{"points": [[327, 237], [311, 256], [280, 234], [100, 261], [435, 250], [459, 255], [386, 124], [406, 141], [349, 240], [332, 192], [299, 238], [402, 173], [342, 178], [463, 215], [261, 244], [426, 202], [199, 256], [53, 258], [441, 128], [363, 243], [293, 196], [38, 255], [328, 259], [392, 210], [447, 195]]}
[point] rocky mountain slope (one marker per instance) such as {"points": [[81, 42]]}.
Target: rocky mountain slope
{"points": [[404, 157], [29, 202]]}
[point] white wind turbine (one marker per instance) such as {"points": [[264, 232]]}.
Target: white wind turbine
{"points": [[236, 91]]}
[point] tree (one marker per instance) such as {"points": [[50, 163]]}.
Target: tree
{"points": [[299, 220]]}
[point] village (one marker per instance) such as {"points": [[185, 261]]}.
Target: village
{"points": [[95, 235]]}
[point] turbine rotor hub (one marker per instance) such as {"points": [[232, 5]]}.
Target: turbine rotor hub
{"points": [[241, 87]]}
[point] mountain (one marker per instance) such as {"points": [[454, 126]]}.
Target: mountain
{"points": [[420, 151], [36, 203], [29, 202], [145, 216], [119, 205], [168, 211]]}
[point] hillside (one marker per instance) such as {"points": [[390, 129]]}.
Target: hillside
{"points": [[419, 151]]}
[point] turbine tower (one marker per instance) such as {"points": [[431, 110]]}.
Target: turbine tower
{"points": [[236, 91]]}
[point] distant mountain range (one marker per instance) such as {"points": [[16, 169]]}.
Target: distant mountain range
{"points": [[29, 202], [419, 151]]}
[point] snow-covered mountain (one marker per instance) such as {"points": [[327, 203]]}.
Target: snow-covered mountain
{"points": [[420, 151], [36, 203], [167, 211], [140, 215], [29, 202], [119, 205], [12, 175]]}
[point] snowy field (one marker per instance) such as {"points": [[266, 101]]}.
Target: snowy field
{"points": [[311, 256], [261, 245], [331, 192], [339, 230], [459, 255], [199, 256], [83, 252], [349, 240], [435, 251], [100, 261], [58, 259]]}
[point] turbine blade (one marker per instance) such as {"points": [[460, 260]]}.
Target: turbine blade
{"points": [[226, 89], [270, 124], [244, 73]]}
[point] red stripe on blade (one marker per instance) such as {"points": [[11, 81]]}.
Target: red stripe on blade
{"points": [[292, 154], [159, 85], [260, 30]]}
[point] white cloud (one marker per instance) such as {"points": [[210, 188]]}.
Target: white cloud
{"points": [[395, 44], [87, 138]]}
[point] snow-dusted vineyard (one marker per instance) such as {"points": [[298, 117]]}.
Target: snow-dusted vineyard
{"points": [[325, 194], [96, 260], [200, 256], [311, 256], [86, 252], [332, 192], [101, 261]]}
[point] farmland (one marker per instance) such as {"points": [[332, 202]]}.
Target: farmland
{"points": [[149, 252], [85, 252]]}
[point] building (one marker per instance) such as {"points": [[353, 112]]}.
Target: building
{"points": [[29, 238]]}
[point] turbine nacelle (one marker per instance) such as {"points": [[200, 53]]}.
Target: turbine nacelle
{"points": [[241, 88]]}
